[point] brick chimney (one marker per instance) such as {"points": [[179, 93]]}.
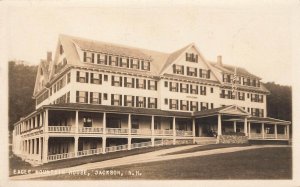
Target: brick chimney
{"points": [[219, 60], [49, 56]]}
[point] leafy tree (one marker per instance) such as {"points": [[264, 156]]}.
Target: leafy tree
{"points": [[21, 86]]}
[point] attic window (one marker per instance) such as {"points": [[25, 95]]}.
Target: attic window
{"points": [[191, 57], [61, 50]]}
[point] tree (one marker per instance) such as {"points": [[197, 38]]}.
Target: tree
{"points": [[21, 85]]}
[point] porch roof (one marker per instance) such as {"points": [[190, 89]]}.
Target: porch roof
{"points": [[118, 109], [229, 110], [267, 120]]}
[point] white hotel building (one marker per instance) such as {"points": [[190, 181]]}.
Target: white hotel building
{"points": [[97, 97]]}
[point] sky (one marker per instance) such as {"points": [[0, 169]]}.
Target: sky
{"points": [[253, 35]]}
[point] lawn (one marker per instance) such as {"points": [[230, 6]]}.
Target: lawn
{"points": [[264, 163], [17, 164]]}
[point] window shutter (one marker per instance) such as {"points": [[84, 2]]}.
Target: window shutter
{"points": [[170, 104], [177, 87], [180, 87], [117, 61], [99, 96], [142, 63], [100, 77], [137, 101], [121, 82], [182, 69], [174, 68], [180, 104], [148, 84], [131, 62], [112, 80], [144, 102], [78, 75], [93, 57], [186, 57], [144, 83], [91, 97], [111, 99], [125, 81], [127, 63], [196, 58], [176, 104], [132, 83], [188, 70], [86, 97], [77, 96], [137, 83], [84, 56], [148, 66], [87, 77], [200, 73], [105, 59], [138, 64], [109, 60], [187, 88], [196, 72], [155, 85], [92, 77], [148, 102], [120, 102], [155, 105], [208, 74], [170, 87], [187, 105]]}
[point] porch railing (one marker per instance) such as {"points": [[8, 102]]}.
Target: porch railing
{"points": [[91, 130], [89, 152], [256, 136], [59, 128], [163, 132], [60, 156], [141, 145], [184, 133], [269, 136], [282, 136], [116, 148], [141, 131], [117, 131]]}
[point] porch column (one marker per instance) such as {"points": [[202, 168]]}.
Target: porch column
{"points": [[103, 145], [129, 131], [219, 124], [76, 145], [45, 149], [104, 123], [263, 130], [152, 141], [174, 131], [41, 119], [249, 130], [275, 130], [76, 121], [194, 130], [245, 126], [46, 119], [30, 146], [35, 146], [288, 131], [36, 121], [234, 126], [152, 125], [40, 147]]}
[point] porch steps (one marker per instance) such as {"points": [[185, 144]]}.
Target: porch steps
{"points": [[205, 140]]}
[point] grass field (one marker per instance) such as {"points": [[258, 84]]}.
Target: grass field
{"points": [[264, 163]]}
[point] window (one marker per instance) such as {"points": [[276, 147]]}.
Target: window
{"points": [[227, 78], [257, 98], [194, 106], [129, 82], [211, 105], [166, 83], [145, 65], [193, 89], [135, 124], [191, 71], [152, 85], [152, 102], [116, 81], [69, 77], [257, 112], [173, 87], [105, 78], [105, 96], [202, 90], [87, 122], [96, 78], [95, 98], [226, 96], [113, 60], [241, 96], [82, 77], [140, 101], [61, 50], [129, 100], [101, 59], [134, 63], [141, 83], [166, 101], [184, 88], [173, 104], [184, 105], [81, 97], [178, 69], [204, 106], [88, 57], [116, 100], [191, 57], [203, 73], [211, 90], [124, 62]]}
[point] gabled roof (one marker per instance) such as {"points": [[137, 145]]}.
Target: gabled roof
{"points": [[230, 110], [43, 67]]}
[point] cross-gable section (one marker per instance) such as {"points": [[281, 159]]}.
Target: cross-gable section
{"points": [[42, 77], [234, 110], [189, 62]]}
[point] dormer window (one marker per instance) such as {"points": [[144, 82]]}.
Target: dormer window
{"points": [[178, 69], [101, 59], [88, 57], [134, 64], [145, 65], [191, 57]]}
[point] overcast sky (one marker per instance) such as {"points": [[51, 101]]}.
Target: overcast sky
{"points": [[254, 36]]}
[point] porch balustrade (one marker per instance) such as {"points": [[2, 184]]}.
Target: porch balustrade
{"points": [[90, 130], [269, 136], [117, 131], [256, 136], [282, 136], [65, 129], [141, 131], [60, 156], [184, 133], [89, 152], [141, 145], [116, 148], [163, 132]]}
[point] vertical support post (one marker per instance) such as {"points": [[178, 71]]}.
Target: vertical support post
{"points": [[36, 121], [152, 141], [249, 130], [76, 121], [275, 130], [263, 130], [104, 144], [45, 149], [174, 130], [76, 138], [30, 146], [129, 143], [129, 131], [245, 126], [152, 125], [234, 126], [288, 131], [35, 146], [104, 123], [219, 124], [194, 130], [46, 120], [40, 148], [41, 119]]}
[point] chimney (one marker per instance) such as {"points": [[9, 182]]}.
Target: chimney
{"points": [[49, 56], [219, 60]]}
